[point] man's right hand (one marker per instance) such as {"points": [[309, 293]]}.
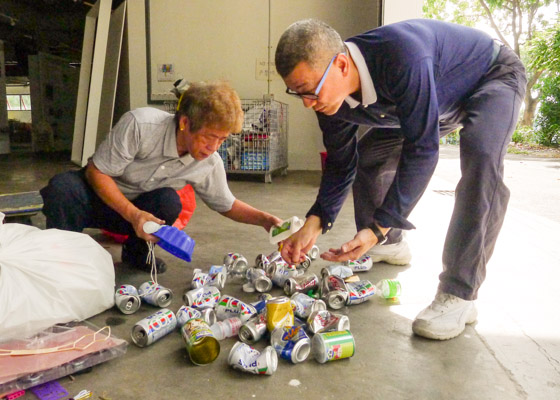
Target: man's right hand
{"points": [[296, 246], [139, 219]]}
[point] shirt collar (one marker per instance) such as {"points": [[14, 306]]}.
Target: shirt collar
{"points": [[170, 140], [369, 96]]}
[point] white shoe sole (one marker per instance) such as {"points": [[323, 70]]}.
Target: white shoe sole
{"points": [[423, 328]]}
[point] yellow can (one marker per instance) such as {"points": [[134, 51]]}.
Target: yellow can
{"points": [[279, 312]]}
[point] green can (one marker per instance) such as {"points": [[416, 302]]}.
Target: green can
{"points": [[202, 346], [330, 346]]}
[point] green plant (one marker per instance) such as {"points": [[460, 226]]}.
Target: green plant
{"points": [[523, 134], [547, 122]]}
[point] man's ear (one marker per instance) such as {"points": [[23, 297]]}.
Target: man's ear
{"points": [[184, 123], [343, 63]]}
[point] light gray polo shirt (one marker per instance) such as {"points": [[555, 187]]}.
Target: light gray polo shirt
{"points": [[140, 154]]}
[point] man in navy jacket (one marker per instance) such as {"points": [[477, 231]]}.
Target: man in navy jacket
{"points": [[411, 83]]}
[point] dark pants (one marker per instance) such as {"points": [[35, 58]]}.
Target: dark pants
{"points": [[488, 117], [71, 204]]}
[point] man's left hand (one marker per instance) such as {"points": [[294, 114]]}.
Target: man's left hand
{"points": [[354, 249]]}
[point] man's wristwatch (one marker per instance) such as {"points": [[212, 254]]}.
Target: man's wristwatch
{"points": [[381, 238]]}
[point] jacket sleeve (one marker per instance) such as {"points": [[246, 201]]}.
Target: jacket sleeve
{"points": [[339, 138]]}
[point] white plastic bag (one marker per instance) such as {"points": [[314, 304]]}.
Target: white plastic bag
{"points": [[48, 277]]}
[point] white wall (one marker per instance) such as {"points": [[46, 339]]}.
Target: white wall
{"points": [[399, 10], [223, 39]]}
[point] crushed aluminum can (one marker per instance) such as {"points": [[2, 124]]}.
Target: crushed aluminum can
{"points": [[229, 307], [254, 329], [343, 271], [279, 273], [200, 279], [305, 264], [331, 346], [202, 346], [261, 261], [325, 321], [362, 264], [236, 264], [204, 297], [313, 253], [336, 299], [304, 305], [154, 327], [360, 291], [291, 343], [279, 313], [247, 359], [127, 299], [186, 313], [302, 283], [155, 294], [259, 280], [214, 269]]}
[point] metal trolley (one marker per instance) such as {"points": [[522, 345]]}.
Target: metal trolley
{"points": [[262, 146]]}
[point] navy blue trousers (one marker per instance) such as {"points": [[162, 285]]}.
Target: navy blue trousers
{"points": [[71, 204], [488, 118]]}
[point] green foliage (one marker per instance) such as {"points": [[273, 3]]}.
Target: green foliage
{"points": [[452, 138], [523, 134], [547, 122]]}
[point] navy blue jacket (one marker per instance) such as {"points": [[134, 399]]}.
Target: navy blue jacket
{"points": [[422, 70]]}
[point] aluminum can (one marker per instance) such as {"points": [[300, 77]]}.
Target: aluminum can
{"points": [[304, 305], [217, 279], [247, 359], [154, 327], [261, 261], [360, 291], [325, 321], [342, 271], [331, 346], [127, 299], [362, 264], [185, 313], [313, 253], [204, 297], [279, 273], [199, 280], [229, 307], [217, 268], [236, 264], [336, 299], [303, 283], [260, 281], [279, 313], [305, 264], [254, 329], [291, 343], [202, 346], [155, 294]]}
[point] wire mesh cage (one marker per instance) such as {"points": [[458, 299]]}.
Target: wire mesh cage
{"points": [[262, 145]]}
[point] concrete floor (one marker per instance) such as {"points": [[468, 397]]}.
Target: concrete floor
{"points": [[513, 352]]}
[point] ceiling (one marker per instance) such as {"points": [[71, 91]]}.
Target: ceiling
{"points": [[52, 26]]}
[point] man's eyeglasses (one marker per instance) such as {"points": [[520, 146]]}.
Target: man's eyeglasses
{"points": [[315, 95]]}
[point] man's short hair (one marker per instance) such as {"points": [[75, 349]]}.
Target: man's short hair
{"points": [[212, 105], [308, 40]]}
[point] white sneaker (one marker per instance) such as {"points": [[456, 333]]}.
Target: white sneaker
{"points": [[445, 318], [396, 254]]}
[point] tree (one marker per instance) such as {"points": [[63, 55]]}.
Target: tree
{"points": [[515, 23], [544, 54]]}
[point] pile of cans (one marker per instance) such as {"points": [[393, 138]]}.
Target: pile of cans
{"points": [[295, 325]]}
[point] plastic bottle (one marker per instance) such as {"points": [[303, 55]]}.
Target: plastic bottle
{"points": [[388, 288], [284, 231], [226, 328]]}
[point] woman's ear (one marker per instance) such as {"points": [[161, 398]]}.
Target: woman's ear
{"points": [[183, 123]]}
